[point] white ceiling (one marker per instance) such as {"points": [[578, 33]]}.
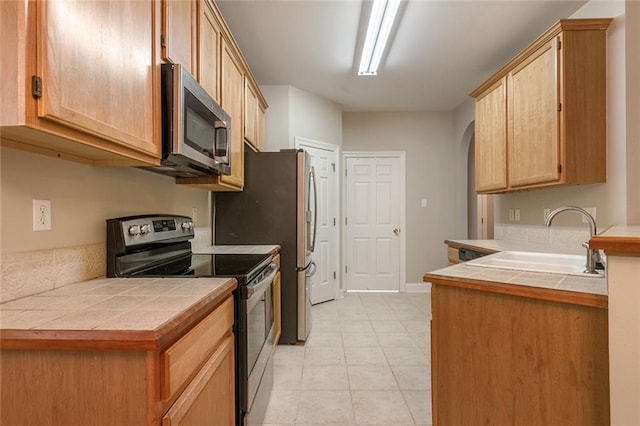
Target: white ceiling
{"points": [[439, 52]]}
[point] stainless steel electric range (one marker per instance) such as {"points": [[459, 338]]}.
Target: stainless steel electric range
{"points": [[159, 245]]}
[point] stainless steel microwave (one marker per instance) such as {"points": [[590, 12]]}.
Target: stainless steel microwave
{"points": [[196, 131]]}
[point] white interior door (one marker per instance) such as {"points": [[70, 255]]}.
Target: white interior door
{"points": [[324, 159], [373, 222]]}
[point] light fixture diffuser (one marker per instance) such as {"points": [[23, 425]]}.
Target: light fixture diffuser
{"points": [[381, 20]]}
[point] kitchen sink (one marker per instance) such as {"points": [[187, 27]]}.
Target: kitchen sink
{"points": [[555, 263]]}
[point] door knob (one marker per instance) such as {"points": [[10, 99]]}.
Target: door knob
{"points": [[396, 231]]}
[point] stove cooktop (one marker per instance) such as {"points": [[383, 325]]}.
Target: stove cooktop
{"points": [[240, 266]]}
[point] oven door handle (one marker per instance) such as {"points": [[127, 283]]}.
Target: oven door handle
{"points": [[261, 286]]}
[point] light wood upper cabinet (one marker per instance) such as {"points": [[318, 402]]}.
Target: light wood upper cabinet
{"points": [[179, 32], [491, 138], [210, 42], [81, 81], [232, 102], [533, 118], [250, 114], [254, 115], [262, 127], [551, 100]]}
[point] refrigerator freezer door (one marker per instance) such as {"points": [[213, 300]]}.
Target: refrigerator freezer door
{"points": [[304, 304]]}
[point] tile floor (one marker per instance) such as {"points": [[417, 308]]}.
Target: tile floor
{"points": [[366, 363]]}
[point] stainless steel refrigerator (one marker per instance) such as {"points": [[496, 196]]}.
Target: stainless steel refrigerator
{"points": [[277, 206]]}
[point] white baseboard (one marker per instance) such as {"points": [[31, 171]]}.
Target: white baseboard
{"points": [[409, 288], [418, 287]]}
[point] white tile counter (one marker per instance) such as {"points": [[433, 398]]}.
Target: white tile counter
{"points": [[126, 312]]}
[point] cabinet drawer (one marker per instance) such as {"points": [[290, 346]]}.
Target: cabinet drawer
{"points": [[185, 357]]}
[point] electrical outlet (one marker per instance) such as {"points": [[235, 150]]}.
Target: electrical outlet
{"points": [[545, 214], [512, 215], [516, 215], [41, 215], [423, 203]]}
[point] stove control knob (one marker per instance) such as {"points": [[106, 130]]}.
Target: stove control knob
{"points": [[187, 225], [134, 230], [145, 229]]}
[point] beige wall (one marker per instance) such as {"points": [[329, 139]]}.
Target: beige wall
{"points": [[610, 199], [632, 18], [427, 139], [296, 113], [463, 117], [82, 197]]}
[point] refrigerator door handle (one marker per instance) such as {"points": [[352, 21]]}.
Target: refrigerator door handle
{"points": [[311, 269], [312, 175]]}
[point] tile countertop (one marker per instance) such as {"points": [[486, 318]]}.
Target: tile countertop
{"points": [[569, 288], [494, 246], [618, 239], [548, 286], [137, 312], [241, 249]]}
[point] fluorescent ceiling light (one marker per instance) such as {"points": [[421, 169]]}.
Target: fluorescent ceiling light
{"points": [[383, 13]]}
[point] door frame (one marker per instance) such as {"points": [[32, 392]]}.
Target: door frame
{"points": [[401, 155], [300, 141]]}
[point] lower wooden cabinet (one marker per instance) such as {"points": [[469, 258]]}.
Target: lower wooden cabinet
{"points": [[502, 359], [210, 397], [124, 381]]}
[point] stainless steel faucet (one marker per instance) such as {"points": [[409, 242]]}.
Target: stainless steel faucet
{"points": [[593, 256]]}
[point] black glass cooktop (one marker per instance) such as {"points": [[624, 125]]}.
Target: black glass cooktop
{"points": [[243, 267], [240, 266]]}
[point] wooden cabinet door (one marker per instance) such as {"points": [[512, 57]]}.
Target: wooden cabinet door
{"points": [[210, 38], [210, 397], [232, 103], [250, 114], [491, 138], [179, 33], [97, 65], [533, 130], [262, 128]]}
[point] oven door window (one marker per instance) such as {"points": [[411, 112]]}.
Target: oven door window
{"points": [[200, 125]]}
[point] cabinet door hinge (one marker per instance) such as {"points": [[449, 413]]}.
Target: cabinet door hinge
{"points": [[560, 107], [334, 221], [334, 275], [559, 168], [345, 220], [333, 167], [345, 172], [345, 269], [559, 44], [36, 87], [163, 41]]}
